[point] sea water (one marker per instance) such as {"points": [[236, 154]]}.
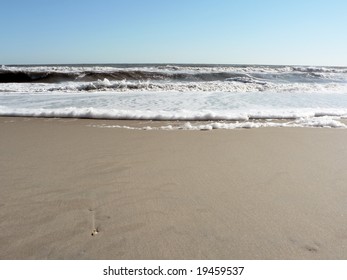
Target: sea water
{"points": [[223, 96]]}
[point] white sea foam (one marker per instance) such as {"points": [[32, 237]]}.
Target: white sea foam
{"points": [[304, 96], [32, 79], [323, 122], [303, 109], [232, 86], [178, 68]]}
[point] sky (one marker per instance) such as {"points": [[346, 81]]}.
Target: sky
{"points": [[292, 32]]}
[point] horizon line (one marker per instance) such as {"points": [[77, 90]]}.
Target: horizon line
{"points": [[168, 63]]}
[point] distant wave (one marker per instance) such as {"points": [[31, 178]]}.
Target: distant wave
{"points": [[172, 78], [233, 85], [246, 74], [55, 77]]}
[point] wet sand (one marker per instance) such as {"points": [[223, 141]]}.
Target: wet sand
{"points": [[73, 191]]}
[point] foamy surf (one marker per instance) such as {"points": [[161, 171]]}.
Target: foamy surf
{"points": [[302, 96], [172, 78], [318, 122]]}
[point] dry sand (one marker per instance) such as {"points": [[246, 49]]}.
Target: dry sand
{"points": [[243, 194]]}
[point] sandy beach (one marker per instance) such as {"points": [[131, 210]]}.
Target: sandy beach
{"points": [[70, 190]]}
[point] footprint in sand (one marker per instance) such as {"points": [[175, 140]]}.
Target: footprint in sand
{"points": [[313, 248], [95, 231]]}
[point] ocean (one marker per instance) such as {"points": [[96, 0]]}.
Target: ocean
{"points": [[197, 96]]}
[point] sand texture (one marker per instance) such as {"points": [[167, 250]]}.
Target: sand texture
{"points": [[72, 191]]}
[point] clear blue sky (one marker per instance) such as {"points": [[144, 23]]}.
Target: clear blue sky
{"points": [[305, 32]]}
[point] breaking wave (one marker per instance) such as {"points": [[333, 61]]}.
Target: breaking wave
{"points": [[244, 94], [236, 84], [54, 74], [177, 78]]}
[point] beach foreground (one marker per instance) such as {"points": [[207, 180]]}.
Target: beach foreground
{"points": [[73, 191]]}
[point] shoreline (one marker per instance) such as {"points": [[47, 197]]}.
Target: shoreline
{"points": [[74, 191], [329, 122]]}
